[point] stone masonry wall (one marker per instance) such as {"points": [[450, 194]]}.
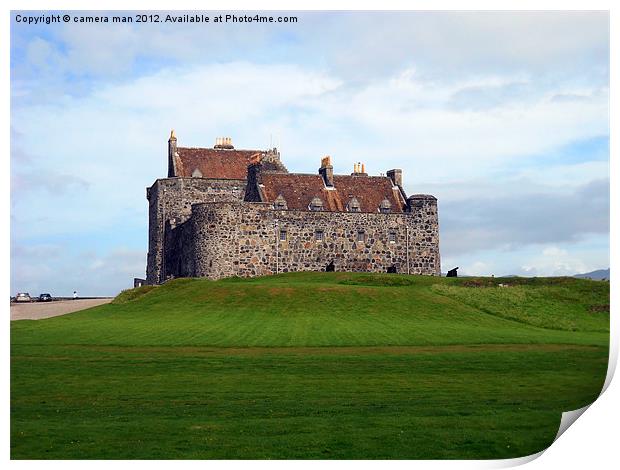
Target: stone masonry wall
{"points": [[170, 201], [243, 239]]}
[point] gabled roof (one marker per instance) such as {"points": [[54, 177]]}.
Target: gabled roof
{"points": [[213, 163], [299, 189]]}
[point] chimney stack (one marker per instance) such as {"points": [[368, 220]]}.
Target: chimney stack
{"points": [[255, 179], [396, 176], [327, 171]]}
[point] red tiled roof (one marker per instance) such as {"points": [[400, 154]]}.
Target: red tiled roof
{"points": [[298, 190], [213, 163]]}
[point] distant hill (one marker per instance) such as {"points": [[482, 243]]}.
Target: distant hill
{"points": [[596, 275]]}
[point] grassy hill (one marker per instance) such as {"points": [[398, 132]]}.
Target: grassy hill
{"points": [[311, 365]]}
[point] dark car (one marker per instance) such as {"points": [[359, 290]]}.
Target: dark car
{"points": [[45, 298]]}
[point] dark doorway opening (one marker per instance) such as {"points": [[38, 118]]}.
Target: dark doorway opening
{"points": [[392, 270], [330, 268]]}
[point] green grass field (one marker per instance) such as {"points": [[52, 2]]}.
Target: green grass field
{"points": [[311, 365]]}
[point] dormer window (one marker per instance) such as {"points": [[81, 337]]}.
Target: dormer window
{"points": [[196, 173], [280, 203], [316, 204], [353, 205], [385, 207]]}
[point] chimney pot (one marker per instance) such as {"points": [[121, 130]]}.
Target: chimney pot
{"points": [[223, 142]]}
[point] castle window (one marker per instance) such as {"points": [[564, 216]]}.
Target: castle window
{"points": [[316, 204], [282, 235], [280, 203], [318, 235], [353, 205], [360, 236], [385, 207], [392, 236]]}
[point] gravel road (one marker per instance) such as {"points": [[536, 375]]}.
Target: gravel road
{"points": [[38, 310]]}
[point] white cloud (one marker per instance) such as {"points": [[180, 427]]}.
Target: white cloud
{"points": [[356, 46], [551, 259], [479, 268], [226, 93], [116, 137], [554, 261], [41, 53], [498, 220]]}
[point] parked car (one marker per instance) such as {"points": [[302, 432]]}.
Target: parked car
{"points": [[23, 297], [45, 298]]}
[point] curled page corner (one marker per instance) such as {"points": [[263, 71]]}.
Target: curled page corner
{"points": [[568, 418], [517, 461]]}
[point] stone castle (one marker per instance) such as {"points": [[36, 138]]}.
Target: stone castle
{"points": [[225, 212]]}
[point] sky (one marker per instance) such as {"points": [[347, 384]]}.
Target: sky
{"points": [[503, 116]]}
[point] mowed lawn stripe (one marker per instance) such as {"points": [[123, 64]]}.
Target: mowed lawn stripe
{"points": [[503, 403]]}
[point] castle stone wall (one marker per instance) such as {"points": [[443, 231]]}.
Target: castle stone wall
{"points": [[170, 202], [243, 239]]}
